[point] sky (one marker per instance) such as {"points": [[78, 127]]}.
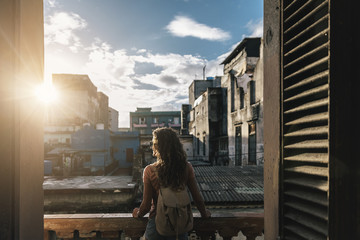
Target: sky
{"points": [[145, 53]]}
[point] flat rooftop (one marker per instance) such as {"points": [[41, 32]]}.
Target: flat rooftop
{"points": [[88, 182]]}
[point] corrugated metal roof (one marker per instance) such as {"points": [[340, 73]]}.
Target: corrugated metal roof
{"points": [[231, 185]]}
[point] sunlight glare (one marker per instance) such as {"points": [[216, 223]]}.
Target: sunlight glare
{"points": [[46, 93]]}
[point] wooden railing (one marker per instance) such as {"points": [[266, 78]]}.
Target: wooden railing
{"points": [[113, 226]]}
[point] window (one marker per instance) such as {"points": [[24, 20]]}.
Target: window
{"points": [[238, 146], [223, 145], [204, 145], [198, 144], [242, 95], [176, 120], [232, 89], [142, 120], [252, 143], [155, 120], [252, 92]]}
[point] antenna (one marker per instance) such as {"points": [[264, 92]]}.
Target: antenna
{"points": [[204, 72]]}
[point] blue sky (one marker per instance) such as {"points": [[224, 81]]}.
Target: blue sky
{"points": [[145, 53]]}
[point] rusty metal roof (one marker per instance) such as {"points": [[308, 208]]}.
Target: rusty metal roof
{"points": [[237, 185]]}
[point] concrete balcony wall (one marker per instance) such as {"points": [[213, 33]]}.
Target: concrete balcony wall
{"points": [[239, 225]]}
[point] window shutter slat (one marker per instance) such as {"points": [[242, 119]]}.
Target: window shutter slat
{"points": [[305, 119]]}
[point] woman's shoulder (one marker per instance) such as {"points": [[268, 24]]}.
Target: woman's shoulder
{"points": [[150, 169], [189, 168]]}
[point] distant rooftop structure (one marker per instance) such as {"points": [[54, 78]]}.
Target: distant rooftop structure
{"points": [[139, 109], [251, 45]]}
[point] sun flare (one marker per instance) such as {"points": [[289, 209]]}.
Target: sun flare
{"points": [[46, 93]]}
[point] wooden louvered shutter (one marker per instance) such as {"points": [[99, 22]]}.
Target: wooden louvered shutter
{"points": [[304, 172]]}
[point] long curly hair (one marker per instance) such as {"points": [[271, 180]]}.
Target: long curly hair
{"points": [[171, 158]]}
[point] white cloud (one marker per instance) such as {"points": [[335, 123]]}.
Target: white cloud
{"points": [[141, 51], [183, 26], [110, 68], [60, 28], [255, 27], [113, 72]]}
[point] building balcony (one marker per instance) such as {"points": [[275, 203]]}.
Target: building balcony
{"points": [[174, 125], [118, 226], [155, 125], [253, 111], [135, 125]]}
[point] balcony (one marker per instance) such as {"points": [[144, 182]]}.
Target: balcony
{"points": [[118, 226]]}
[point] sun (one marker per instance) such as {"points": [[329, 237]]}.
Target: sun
{"points": [[46, 93]]}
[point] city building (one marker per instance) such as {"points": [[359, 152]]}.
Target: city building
{"points": [[113, 116], [100, 150], [124, 148], [145, 121], [198, 87], [103, 110], [208, 126], [79, 104], [93, 147], [243, 79]]}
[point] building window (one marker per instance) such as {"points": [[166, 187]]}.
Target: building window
{"points": [[176, 120], [198, 144], [232, 89], [238, 146], [252, 92], [223, 145], [204, 145], [155, 120], [142, 120], [242, 96], [252, 143]]}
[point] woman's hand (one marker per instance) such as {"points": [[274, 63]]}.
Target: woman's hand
{"points": [[207, 214], [135, 213]]}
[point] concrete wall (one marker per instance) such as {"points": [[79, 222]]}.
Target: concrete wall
{"points": [[21, 121], [187, 142], [122, 141]]}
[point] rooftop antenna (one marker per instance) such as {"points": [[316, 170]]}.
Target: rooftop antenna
{"points": [[204, 72]]}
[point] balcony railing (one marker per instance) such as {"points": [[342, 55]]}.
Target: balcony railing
{"points": [[116, 226]]}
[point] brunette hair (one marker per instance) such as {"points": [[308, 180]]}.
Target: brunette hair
{"points": [[171, 158]]}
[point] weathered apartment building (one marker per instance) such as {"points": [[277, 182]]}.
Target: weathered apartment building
{"points": [[144, 121], [206, 116], [243, 79], [225, 113], [80, 104]]}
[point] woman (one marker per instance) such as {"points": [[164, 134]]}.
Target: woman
{"points": [[173, 170]]}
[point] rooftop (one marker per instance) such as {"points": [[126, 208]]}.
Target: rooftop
{"points": [[223, 185]]}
